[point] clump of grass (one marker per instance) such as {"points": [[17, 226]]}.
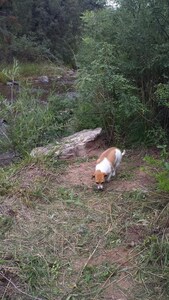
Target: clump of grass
{"points": [[94, 274], [39, 191], [34, 269], [6, 223], [34, 69], [32, 124], [39, 69], [154, 268], [163, 181], [6, 184], [157, 251], [69, 196], [3, 78], [160, 169], [113, 239]]}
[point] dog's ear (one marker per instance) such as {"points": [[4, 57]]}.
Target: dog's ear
{"points": [[105, 175]]}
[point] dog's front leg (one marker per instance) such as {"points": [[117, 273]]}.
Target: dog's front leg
{"points": [[113, 173]]}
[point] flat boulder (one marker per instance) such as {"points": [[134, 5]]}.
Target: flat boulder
{"points": [[80, 144]]}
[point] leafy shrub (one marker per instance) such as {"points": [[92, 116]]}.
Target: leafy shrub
{"points": [[62, 110], [155, 135], [27, 49], [107, 99], [118, 81]]}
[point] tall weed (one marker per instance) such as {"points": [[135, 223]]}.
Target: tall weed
{"points": [[32, 123], [107, 99]]}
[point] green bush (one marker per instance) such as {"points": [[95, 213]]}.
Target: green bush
{"points": [[107, 99], [120, 83], [28, 49]]}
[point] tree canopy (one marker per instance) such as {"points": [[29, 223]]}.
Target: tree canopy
{"points": [[32, 29]]}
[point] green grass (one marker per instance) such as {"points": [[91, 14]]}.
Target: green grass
{"points": [[33, 69], [160, 170], [40, 69], [69, 242]]}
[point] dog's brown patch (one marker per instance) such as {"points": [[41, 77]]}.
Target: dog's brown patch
{"points": [[109, 154]]}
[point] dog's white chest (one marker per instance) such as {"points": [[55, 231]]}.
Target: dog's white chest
{"points": [[104, 166]]}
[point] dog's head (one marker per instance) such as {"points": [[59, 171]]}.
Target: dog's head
{"points": [[99, 179]]}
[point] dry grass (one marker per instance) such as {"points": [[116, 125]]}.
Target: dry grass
{"points": [[62, 240]]}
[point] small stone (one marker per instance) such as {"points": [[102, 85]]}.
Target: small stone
{"points": [[43, 79]]}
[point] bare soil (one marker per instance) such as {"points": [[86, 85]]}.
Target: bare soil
{"points": [[132, 168]]}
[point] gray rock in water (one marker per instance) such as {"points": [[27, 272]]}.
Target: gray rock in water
{"points": [[79, 144]]}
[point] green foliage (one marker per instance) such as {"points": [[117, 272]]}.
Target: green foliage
{"points": [[5, 184], [155, 135], [157, 253], [162, 94], [39, 69], [161, 172], [123, 71], [99, 273], [68, 196], [3, 77], [26, 48], [34, 30], [163, 180], [35, 271], [62, 110], [107, 99], [31, 123], [13, 72]]}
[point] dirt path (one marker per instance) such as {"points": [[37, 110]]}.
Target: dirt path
{"points": [[131, 174]]}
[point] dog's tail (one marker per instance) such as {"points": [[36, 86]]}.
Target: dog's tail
{"points": [[124, 152]]}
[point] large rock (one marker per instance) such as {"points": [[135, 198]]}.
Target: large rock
{"points": [[80, 144]]}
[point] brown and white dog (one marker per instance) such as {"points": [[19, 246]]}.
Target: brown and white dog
{"points": [[106, 165]]}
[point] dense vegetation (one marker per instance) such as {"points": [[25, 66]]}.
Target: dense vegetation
{"points": [[59, 238], [42, 29], [121, 54], [124, 71]]}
